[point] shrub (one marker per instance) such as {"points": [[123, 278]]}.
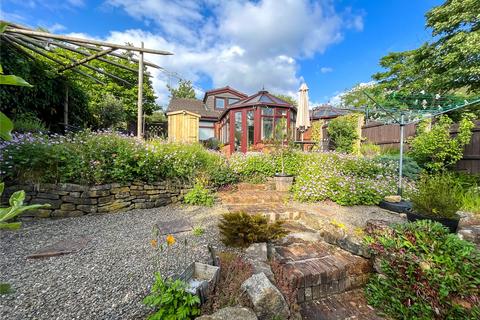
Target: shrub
{"points": [[436, 149], [104, 157], [427, 273], [212, 143], [28, 123], [171, 301], [437, 195], [368, 149], [199, 195], [410, 170], [470, 199], [343, 132], [347, 180], [234, 270], [254, 167], [240, 229]]}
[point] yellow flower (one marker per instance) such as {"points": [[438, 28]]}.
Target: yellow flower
{"points": [[170, 240], [154, 243]]}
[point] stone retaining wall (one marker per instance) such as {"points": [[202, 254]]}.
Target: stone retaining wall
{"points": [[69, 200]]}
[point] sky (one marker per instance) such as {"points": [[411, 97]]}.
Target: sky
{"points": [[248, 45]]}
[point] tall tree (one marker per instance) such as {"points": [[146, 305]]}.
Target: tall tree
{"points": [[184, 90], [449, 63]]}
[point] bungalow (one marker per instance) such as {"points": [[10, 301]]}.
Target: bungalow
{"points": [[239, 121]]}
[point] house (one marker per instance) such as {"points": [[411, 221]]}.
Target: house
{"points": [[240, 122]]}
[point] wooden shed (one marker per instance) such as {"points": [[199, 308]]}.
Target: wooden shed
{"points": [[183, 126]]}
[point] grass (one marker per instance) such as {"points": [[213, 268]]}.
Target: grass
{"points": [[470, 199], [5, 288]]}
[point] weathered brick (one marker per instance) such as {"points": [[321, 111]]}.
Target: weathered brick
{"points": [[67, 206], [44, 195], [107, 199], [96, 193], [101, 187], [87, 208], [120, 190]]}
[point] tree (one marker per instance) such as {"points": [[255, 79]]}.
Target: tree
{"points": [[448, 63], [286, 98], [184, 90], [343, 132]]}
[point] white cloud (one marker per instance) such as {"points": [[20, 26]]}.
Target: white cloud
{"points": [[246, 45], [56, 27], [326, 69]]}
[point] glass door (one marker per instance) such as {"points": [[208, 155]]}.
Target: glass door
{"points": [[243, 130]]}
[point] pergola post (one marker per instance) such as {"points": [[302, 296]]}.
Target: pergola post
{"points": [[65, 108], [140, 96], [400, 167]]}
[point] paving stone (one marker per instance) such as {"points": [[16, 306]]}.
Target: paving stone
{"points": [[66, 246], [174, 226]]}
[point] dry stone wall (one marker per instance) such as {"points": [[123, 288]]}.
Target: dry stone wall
{"points": [[70, 200]]}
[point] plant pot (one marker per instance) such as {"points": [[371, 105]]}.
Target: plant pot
{"points": [[399, 207], [201, 279], [450, 223], [283, 182]]}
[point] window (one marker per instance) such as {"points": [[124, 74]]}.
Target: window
{"points": [[250, 127], [238, 130], [270, 119], [232, 100], [219, 103], [206, 133]]}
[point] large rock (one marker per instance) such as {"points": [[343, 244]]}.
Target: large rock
{"points": [[268, 302], [257, 251], [470, 233], [231, 313]]}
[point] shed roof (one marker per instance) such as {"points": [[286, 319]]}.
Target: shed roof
{"points": [[192, 105], [327, 111]]}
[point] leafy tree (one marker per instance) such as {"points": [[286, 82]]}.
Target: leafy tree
{"points": [[343, 132], [288, 99], [109, 113], [184, 90], [435, 149], [450, 62]]}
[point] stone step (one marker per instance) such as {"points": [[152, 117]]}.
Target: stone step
{"points": [[316, 270], [244, 186], [253, 197], [346, 305], [273, 212]]}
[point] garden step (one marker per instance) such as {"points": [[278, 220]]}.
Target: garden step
{"points": [[317, 269], [346, 305], [253, 197], [273, 211], [244, 186]]}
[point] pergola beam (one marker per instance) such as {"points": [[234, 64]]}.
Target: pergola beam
{"points": [[87, 41], [40, 52], [40, 46], [85, 60]]}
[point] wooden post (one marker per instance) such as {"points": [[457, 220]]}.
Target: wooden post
{"points": [[65, 108], [140, 96]]}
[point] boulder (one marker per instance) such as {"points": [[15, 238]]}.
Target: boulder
{"points": [[470, 233], [231, 313], [257, 251], [268, 302]]}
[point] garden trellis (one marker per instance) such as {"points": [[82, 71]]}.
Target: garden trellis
{"points": [[27, 41], [405, 109]]}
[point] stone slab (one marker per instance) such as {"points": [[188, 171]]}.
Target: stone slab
{"points": [[174, 226], [59, 248]]}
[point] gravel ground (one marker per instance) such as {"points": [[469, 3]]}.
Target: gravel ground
{"points": [[107, 279]]}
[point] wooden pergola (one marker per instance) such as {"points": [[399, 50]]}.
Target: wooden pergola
{"points": [[26, 40]]}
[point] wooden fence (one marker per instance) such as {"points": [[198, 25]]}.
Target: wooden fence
{"points": [[388, 136]]}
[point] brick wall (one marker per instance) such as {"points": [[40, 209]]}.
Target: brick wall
{"points": [[69, 200]]}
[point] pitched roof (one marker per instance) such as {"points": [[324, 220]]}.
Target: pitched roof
{"points": [[327, 111], [192, 105], [261, 97], [224, 89]]}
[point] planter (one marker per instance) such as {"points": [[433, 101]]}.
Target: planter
{"points": [[283, 182], [450, 223], [201, 279], [399, 207]]}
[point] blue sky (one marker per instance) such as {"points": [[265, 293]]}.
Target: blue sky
{"points": [[331, 45]]}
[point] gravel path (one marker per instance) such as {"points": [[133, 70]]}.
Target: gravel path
{"points": [[107, 279]]}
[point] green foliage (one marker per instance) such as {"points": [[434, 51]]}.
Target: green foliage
{"points": [[437, 196], [28, 122], [199, 195], [343, 132], [108, 113], [253, 167], [435, 149], [368, 149], [96, 158], [6, 127], [15, 208], [240, 229], [427, 273], [286, 98], [5, 288], [171, 300], [470, 199], [184, 90], [198, 231], [345, 179], [449, 62], [410, 169]]}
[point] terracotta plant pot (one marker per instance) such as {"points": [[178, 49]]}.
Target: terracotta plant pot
{"points": [[450, 223], [283, 182]]}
